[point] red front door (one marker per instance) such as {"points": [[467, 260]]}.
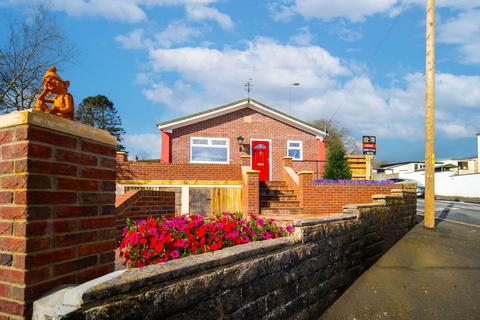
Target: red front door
{"points": [[261, 159]]}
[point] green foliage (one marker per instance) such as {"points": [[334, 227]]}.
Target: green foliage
{"points": [[99, 112], [337, 167]]}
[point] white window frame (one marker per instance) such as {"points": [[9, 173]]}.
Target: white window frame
{"points": [[300, 148], [209, 145]]}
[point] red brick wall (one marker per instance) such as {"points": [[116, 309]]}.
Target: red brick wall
{"points": [[139, 204], [154, 170], [57, 194], [249, 124], [329, 198]]}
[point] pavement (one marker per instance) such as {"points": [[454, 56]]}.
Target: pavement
{"points": [[428, 274]]}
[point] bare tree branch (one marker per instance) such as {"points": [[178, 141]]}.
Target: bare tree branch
{"points": [[33, 45]]}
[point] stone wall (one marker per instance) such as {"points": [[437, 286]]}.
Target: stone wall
{"points": [[287, 278], [57, 195]]}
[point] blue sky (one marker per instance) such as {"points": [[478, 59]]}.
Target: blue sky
{"points": [[361, 61]]}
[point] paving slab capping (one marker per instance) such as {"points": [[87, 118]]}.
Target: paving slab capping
{"points": [[324, 219]]}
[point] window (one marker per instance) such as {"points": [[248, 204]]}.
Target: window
{"points": [[463, 165], [209, 150], [295, 149]]}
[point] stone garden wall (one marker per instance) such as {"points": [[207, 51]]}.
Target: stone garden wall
{"points": [[295, 277]]}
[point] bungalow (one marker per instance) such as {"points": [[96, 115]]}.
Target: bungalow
{"points": [[240, 157], [242, 129]]}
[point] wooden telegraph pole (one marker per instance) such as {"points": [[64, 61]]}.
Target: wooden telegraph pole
{"points": [[429, 220]]}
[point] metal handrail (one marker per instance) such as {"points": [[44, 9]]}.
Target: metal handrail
{"points": [[317, 171]]}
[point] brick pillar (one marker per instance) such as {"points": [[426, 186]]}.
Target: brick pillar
{"points": [[251, 193], [121, 156], [57, 213], [287, 162], [322, 155], [305, 189], [245, 161]]}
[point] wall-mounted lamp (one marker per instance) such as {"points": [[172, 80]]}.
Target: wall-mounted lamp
{"points": [[241, 145]]}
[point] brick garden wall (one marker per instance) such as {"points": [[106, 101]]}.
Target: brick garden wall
{"points": [[329, 198], [325, 197], [285, 278], [154, 170], [250, 124], [57, 213], [139, 204]]}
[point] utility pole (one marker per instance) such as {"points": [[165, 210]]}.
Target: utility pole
{"points": [[429, 214]]}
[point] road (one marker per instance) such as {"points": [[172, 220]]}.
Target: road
{"points": [[463, 212]]}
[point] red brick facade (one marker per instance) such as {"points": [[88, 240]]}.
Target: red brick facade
{"points": [[139, 204], [57, 194], [250, 124]]}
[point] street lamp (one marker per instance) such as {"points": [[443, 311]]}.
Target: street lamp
{"points": [[289, 96]]}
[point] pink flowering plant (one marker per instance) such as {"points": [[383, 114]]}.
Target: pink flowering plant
{"points": [[158, 240]]}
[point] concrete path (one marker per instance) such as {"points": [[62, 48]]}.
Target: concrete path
{"points": [[426, 275]]}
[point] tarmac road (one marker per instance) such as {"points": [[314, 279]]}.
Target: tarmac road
{"points": [[455, 211]]}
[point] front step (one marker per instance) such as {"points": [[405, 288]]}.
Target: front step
{"points": [[280, 204], [273, 184], [276, 193], [281, 211], [278, 197]]}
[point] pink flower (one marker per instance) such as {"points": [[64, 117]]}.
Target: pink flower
{"points": [[290, 228], [175, 254], [266, 235], [170, 224], [233, 234], [245, 239], [260, 222]]}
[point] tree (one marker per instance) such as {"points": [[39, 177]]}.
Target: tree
{"points": [[337, 165], [99, 112], [336, 134], [30, 48]]}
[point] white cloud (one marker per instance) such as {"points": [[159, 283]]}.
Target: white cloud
{"points": [[328, 86], [202, 12], [354, 11], [175, 33], [126, 10], [303, 37], [146, 145], [345, 33], [133, 11], [133, 40], [464, 31]]}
